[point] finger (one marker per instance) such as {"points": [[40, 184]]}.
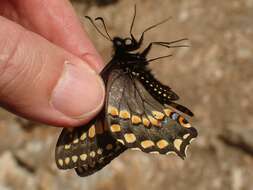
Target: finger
{"points": [[56, 21], [42, 82]]}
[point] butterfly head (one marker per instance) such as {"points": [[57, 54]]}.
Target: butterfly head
{"points": [[125, 44]]}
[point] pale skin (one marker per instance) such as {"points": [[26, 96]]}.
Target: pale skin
{"points": [[48, 65]]}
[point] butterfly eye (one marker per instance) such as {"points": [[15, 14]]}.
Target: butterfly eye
{"points": [[118, 43], [128, 41]]}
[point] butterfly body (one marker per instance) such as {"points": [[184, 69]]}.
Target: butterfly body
{"points": [[139, 113]]}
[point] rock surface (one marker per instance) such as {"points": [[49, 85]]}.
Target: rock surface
{"points": [[214, 77]]}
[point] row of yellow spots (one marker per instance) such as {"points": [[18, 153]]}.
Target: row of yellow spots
{"points": [[91, 134], [158, 115], [161, 144], [135, 119], [83, 157], [153, 119]]}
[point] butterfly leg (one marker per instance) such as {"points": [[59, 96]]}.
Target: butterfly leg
{"points": [[146, 50]]}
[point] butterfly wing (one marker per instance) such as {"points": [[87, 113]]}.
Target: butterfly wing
{"points": [[139, 121], [87, 149]]}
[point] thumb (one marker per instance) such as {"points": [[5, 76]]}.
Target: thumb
{"points": [[42, 82]]}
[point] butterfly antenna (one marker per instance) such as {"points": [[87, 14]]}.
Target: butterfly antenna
{"points": [[132, 24], [89, 18], [153, 26], [105, 28]]}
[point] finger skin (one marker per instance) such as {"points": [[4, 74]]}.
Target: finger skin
{"points": [[56, 21], [31, 68]]}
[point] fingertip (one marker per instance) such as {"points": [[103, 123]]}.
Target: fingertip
{"points": [[79, 91]]}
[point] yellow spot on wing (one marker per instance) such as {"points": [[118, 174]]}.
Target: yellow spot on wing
{"points": [[76, 141], [124, 114], [185, 151], [145, 122], [167, 112], [154, 152], [121, 141], [147, 144], [136, 149], [83, 157], [187, 125], [113, 111], [130, 137], [60, 161], [67, 146], [192, 140], [171, 152], [177, 144], [162, 143], [153, 120], [74, 159], [99, 151], [115, 128], [83, 136], [158, 115], [186, 136], [92, 154], [136, 119], [92, 131], [67, 160]]}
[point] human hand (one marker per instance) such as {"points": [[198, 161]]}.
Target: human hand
{"points": [[47, 63]]}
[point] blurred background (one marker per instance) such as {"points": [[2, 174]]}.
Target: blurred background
{"points": [[214, 78]]}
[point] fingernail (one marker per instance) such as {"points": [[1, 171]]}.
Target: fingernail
{"points": [[79, 92]]}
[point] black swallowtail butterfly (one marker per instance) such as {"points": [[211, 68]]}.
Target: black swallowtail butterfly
{"points": [[139, 112]]}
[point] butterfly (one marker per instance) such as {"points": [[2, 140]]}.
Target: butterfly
{"points": [[139, 113]]}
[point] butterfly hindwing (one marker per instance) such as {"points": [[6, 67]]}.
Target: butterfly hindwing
{"points": [[139, 121], [87, 149]]}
